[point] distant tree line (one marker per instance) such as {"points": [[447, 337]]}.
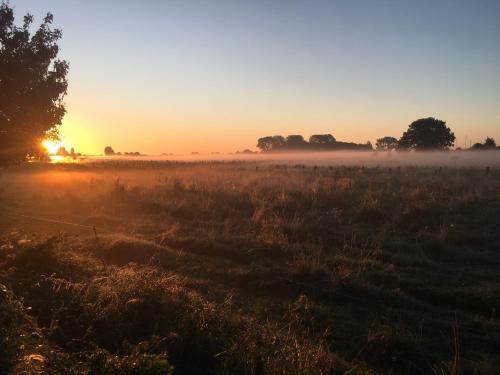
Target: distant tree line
{"points": [[108, 151], [423, 134], [61, 151], [317, 142]]}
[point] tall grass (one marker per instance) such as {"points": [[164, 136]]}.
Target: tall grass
{"points": [[228, 268]]}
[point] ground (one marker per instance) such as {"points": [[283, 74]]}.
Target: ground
{"points": [[249, 267]]}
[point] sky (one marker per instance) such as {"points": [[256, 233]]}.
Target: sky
{"points": [[181, 76]]}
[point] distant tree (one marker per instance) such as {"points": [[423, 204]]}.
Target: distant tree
{"points": [[489, 143], [477, 146], [278, 141], [427, 134], [108, 151], [322, 139], [386, 144], [271, 143], [265, 143], [317, 142], [32, 85], [61, 151], [296, 142], [246, 151]]}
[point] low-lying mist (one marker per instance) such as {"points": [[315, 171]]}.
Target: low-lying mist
{"points": [[375, 158]]}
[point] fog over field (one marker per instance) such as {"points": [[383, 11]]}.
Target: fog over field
{"points": [[337, 158]]}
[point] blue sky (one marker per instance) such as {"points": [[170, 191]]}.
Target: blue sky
{"points": [[178, 76]]}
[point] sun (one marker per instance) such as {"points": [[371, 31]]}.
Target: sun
{"points": [[52, 146]]}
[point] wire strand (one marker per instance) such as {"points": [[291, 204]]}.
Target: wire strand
{"points": [[55, 221]]}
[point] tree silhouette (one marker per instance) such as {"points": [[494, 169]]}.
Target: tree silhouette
{"points": [[296, 141], [61, 151], [265, 143], [489, 143], [271, 143], [317, 142], [386, 143], [322, 139], [108, 151], [427, 134], [32, 85]]}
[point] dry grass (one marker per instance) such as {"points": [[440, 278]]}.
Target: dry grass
{"points": [[249, 268]]}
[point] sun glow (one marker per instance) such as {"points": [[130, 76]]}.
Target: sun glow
{"points": [[52, 146], [58, 153]]}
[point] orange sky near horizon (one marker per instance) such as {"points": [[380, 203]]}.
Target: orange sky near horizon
{"points": [[218, 130]]}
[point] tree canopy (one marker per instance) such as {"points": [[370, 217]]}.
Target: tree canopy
{"points": [[427, 134], [387, 143], [270, 143], [108, 150], [32, 85], [296, 142], [489, 144], [322, 139], [317, 142]]}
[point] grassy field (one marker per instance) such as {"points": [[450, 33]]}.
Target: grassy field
{"points": [[249, 268]]}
